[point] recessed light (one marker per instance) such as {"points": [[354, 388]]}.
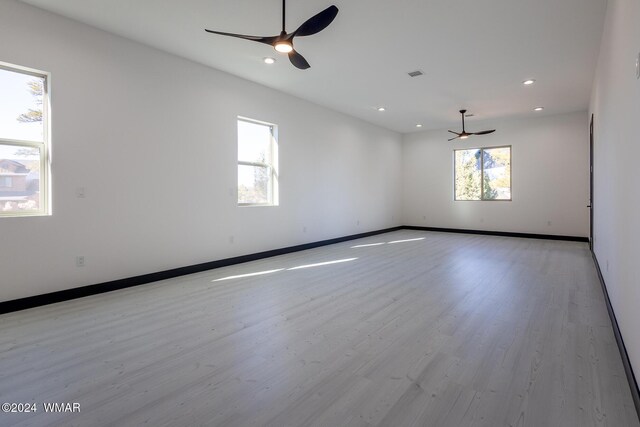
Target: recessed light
{"points": [[381, 109], [269, 60], [528, 82], [538, 109], [418, 125]]}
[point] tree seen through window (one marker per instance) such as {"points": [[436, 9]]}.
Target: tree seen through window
{"points": [[483, 173]]}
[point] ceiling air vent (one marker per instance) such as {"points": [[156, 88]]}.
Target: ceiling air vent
{"points": [[415, 73]]}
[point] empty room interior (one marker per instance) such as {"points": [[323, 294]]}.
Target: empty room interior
{"points": [[319, 213]]}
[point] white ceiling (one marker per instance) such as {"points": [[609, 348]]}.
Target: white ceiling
{"points": [[474, 54]]}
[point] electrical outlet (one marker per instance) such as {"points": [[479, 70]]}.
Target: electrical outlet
{"points": [[549, 223], [232, 239], [358, 222], [424, 217], [638, 66], [80, 261], [304, 229], [80, 192]]}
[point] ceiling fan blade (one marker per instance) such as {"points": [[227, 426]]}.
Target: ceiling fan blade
{"points": [[298, 60], [455, 132], [317, 23], [453, 138], [484, 132], [265, 40]]}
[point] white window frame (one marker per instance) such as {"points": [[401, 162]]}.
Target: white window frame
{"points": [[42, 146], [482, 198], [271, 165]]}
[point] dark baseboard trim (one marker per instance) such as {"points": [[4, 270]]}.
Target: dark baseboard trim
{"points": [[84, 291], [628, 369], [500, 233]]}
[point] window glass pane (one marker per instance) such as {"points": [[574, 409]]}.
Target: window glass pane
{"points": [[21, 106], [20, 179], [497, 173], [254, 142], [253, 184], [468, 171]]}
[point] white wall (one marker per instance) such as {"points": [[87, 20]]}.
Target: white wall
{"points": [[550, 177], [615, 104], [152, 137]]}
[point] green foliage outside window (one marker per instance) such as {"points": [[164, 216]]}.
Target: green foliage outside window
{"points": [[483, 173]]}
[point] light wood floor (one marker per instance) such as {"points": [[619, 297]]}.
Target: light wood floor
{"points": [[450, 330]]}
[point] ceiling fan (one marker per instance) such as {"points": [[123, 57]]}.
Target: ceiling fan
{"points": [[464, 134], [284, 42]]}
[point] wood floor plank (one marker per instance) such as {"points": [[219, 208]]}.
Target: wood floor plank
{"points": [[422, 329]]}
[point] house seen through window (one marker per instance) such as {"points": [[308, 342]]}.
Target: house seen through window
{"points": [[257, 163], [23, 142], [483, 173]]}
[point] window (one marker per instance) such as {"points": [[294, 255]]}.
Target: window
{"points": [[24, 132], [257, 163], [483, 173]]}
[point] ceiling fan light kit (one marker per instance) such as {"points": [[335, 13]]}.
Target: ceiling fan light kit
{"points": [[283, 43], [283, 46], [464, 134]]}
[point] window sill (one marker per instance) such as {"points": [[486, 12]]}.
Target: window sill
{"points": [[24, 215]]}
